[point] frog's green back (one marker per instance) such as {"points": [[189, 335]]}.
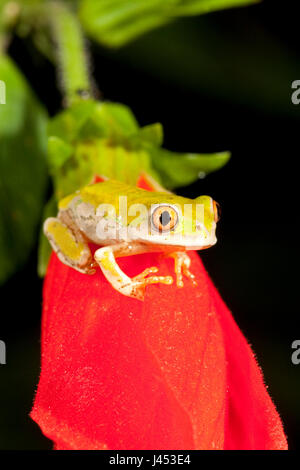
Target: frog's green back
{"points": [[108, 192]]}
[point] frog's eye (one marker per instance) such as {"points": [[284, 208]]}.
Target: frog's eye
{"points": [[217, 211], [164, 218]]}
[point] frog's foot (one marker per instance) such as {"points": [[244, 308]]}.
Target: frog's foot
{"points": [[140, 281], [131, 287], [182, 265], [69, 245], [90, 268]]}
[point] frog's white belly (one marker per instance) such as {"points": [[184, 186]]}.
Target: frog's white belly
{"points": [[101, 230]]}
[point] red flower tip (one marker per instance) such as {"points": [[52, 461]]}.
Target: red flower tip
{"points": [[172, 372]]}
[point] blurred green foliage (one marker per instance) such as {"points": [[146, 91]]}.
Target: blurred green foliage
{"points": [[23, 173], [220, 59], [115, 22]]}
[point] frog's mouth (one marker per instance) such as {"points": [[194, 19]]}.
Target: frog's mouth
{"points": [[195, 240], [202, 247], [182, 243], [199, 240]]}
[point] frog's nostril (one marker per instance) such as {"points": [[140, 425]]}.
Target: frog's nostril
{"points": [[217, 211]]}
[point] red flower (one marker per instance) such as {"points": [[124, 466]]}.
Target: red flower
{"points": [[172, 372]]}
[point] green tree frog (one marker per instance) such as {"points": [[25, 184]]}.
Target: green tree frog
{"points": [[125, 220]]}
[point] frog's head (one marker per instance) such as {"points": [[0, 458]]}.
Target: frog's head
{"points": [[177, 221]]}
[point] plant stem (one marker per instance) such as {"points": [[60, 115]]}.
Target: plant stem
{"points": [[9, 13], [71, 53], [2, 42]]}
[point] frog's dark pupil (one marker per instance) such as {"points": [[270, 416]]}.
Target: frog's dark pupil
{"points": [[164, 218]]}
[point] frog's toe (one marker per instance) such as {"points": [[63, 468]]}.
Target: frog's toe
{"points": [[179, 280], [190, 275], [145, 273], [186, 273], [182, 265], [91, 267], [158, 280], [140, 281], [138, 286]]}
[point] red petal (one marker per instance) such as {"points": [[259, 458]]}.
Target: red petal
{"points": [[172, 372], [144, 183]]}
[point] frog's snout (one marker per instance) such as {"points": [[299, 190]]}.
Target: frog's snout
{"points": [[217, 211]]}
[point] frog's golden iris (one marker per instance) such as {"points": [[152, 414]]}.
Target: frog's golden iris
{"points": [[164, 218]]}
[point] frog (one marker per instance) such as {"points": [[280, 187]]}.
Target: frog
{"points": [[124, 220]]}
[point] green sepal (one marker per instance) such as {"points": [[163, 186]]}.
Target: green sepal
{"points": [[105, 139], [44, 249], [152, 134], [182, 169], [88, 118], [67, 124], [59, 152]]}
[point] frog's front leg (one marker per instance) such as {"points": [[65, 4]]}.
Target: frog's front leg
{"points": [[182, 265], [69, 244], [131, 287]]}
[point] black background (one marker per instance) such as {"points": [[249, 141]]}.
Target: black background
{"points": [[228, 86]]}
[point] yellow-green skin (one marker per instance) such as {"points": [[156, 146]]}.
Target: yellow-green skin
{"points": [[118, 217]]}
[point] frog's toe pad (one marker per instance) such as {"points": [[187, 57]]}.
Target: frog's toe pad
{"points": [[143, 280], [158, 280], [187, 273], [140, 281], [145, 273]]}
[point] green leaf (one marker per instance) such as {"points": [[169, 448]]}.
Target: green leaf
{"points": [[100, 157], [59, 152], [117, 118], [67, 124], [44, 252], [86, 119], [116, 22], [151, 134], [177, 169], [23, 174], [197, 7], [95, 138]]}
